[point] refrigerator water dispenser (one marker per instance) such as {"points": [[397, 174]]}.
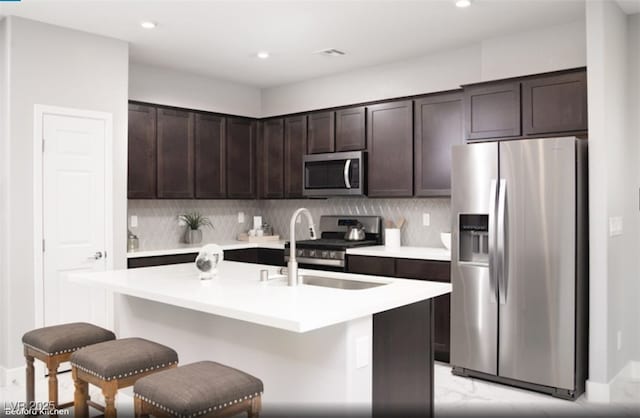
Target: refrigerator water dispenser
{"points": [[474, 238]]}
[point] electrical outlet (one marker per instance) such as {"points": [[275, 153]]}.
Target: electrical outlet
{"points": [[426, 219], [363, 350], [619, 340], [240, 217], [134, 221]]}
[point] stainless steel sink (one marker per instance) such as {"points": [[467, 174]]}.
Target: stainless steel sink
{"points": [[339, 283]]}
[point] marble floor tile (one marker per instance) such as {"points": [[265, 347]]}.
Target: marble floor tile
{"points": [[454, 396], [464, 396]]}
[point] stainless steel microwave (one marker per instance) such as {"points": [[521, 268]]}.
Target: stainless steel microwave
{"points": [[335, 174]]}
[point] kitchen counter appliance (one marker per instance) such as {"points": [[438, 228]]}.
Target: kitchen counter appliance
{"points": [[519, 263], [329, 251], [335, 174]]}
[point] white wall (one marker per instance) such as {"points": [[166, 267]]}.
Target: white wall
{"points": [[613, 189], [538, 51], [163, 86], [633, 118], [553, 48], [4, 201], [61, 67], [436, 72]]}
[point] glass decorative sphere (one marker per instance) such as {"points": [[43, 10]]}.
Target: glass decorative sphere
{"points": [[208, 260]]}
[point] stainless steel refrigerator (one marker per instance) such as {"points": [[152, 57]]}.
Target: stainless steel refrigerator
{"points": [[519, 263]]}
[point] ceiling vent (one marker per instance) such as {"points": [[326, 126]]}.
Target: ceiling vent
{"points": [[331, 52]]}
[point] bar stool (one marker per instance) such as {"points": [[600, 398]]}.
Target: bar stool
{"points": [[113, 365], [206, 389], [54, 345]]}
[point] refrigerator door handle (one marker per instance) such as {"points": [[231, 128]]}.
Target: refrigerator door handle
{"points": [[493, 194], [501, 242]]}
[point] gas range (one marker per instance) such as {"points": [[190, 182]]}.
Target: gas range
{"points": [[330, 250]]}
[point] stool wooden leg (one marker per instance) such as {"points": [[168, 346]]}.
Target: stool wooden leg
{"points": [[30, 378], [109, 390], [256, 404], [53, 383], [80, 406], [139, 408]]}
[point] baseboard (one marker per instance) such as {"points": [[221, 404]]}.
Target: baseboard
{"points": [[598, 392], [13, 376], [604, 392]]}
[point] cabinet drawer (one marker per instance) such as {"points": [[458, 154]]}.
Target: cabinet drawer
{"points": [[246, 255], [270, 256], [161, 260], [377, 266], [422, 269]]}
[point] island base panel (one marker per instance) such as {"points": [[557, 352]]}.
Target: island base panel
{"points": [[403, 361], [326, 372]]}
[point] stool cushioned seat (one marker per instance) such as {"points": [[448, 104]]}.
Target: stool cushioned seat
{"points": [[122, 358], [197, 388], [65, 338]]}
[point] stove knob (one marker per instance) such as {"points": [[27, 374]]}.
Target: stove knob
{"points": [[325, 254], [300, 253], [332, 255], [312, 253]]}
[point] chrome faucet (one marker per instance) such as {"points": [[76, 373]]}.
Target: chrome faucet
{"points": [[292, 266]]}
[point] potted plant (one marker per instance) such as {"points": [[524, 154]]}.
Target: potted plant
{"points": [[194, 220]]}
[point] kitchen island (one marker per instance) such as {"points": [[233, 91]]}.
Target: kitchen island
{"points": [[318, 349]]}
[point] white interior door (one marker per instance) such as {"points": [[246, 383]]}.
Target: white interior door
{"points": [[74, 226]]}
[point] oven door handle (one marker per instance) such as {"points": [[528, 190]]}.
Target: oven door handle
{"points": [[347, 166]]}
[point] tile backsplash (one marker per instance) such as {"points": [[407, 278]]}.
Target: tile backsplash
{"points": [[158, 224]]}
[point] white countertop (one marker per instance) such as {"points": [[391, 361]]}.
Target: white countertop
{"points": [[238, 293], [419, 253], [194, 248]]}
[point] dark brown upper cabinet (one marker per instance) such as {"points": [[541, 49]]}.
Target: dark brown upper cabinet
{"points": [[175, 154], [241, 158], [390, 136], [438, 126], [351, 129], [295, 143], [321, 132], [141, 175], [271, 156], [554, 103], [210, 164], [492, 110]]}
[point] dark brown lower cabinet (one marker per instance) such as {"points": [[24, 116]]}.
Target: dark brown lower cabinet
{"points": [[402, 364], [270, 256], [439, 271], [161, 260]]}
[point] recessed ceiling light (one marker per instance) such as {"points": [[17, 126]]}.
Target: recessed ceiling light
{"points": [[463, 3], [147, 24], [263, 55]]}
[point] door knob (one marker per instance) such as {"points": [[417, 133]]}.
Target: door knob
{"points": [[96, 256]]}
